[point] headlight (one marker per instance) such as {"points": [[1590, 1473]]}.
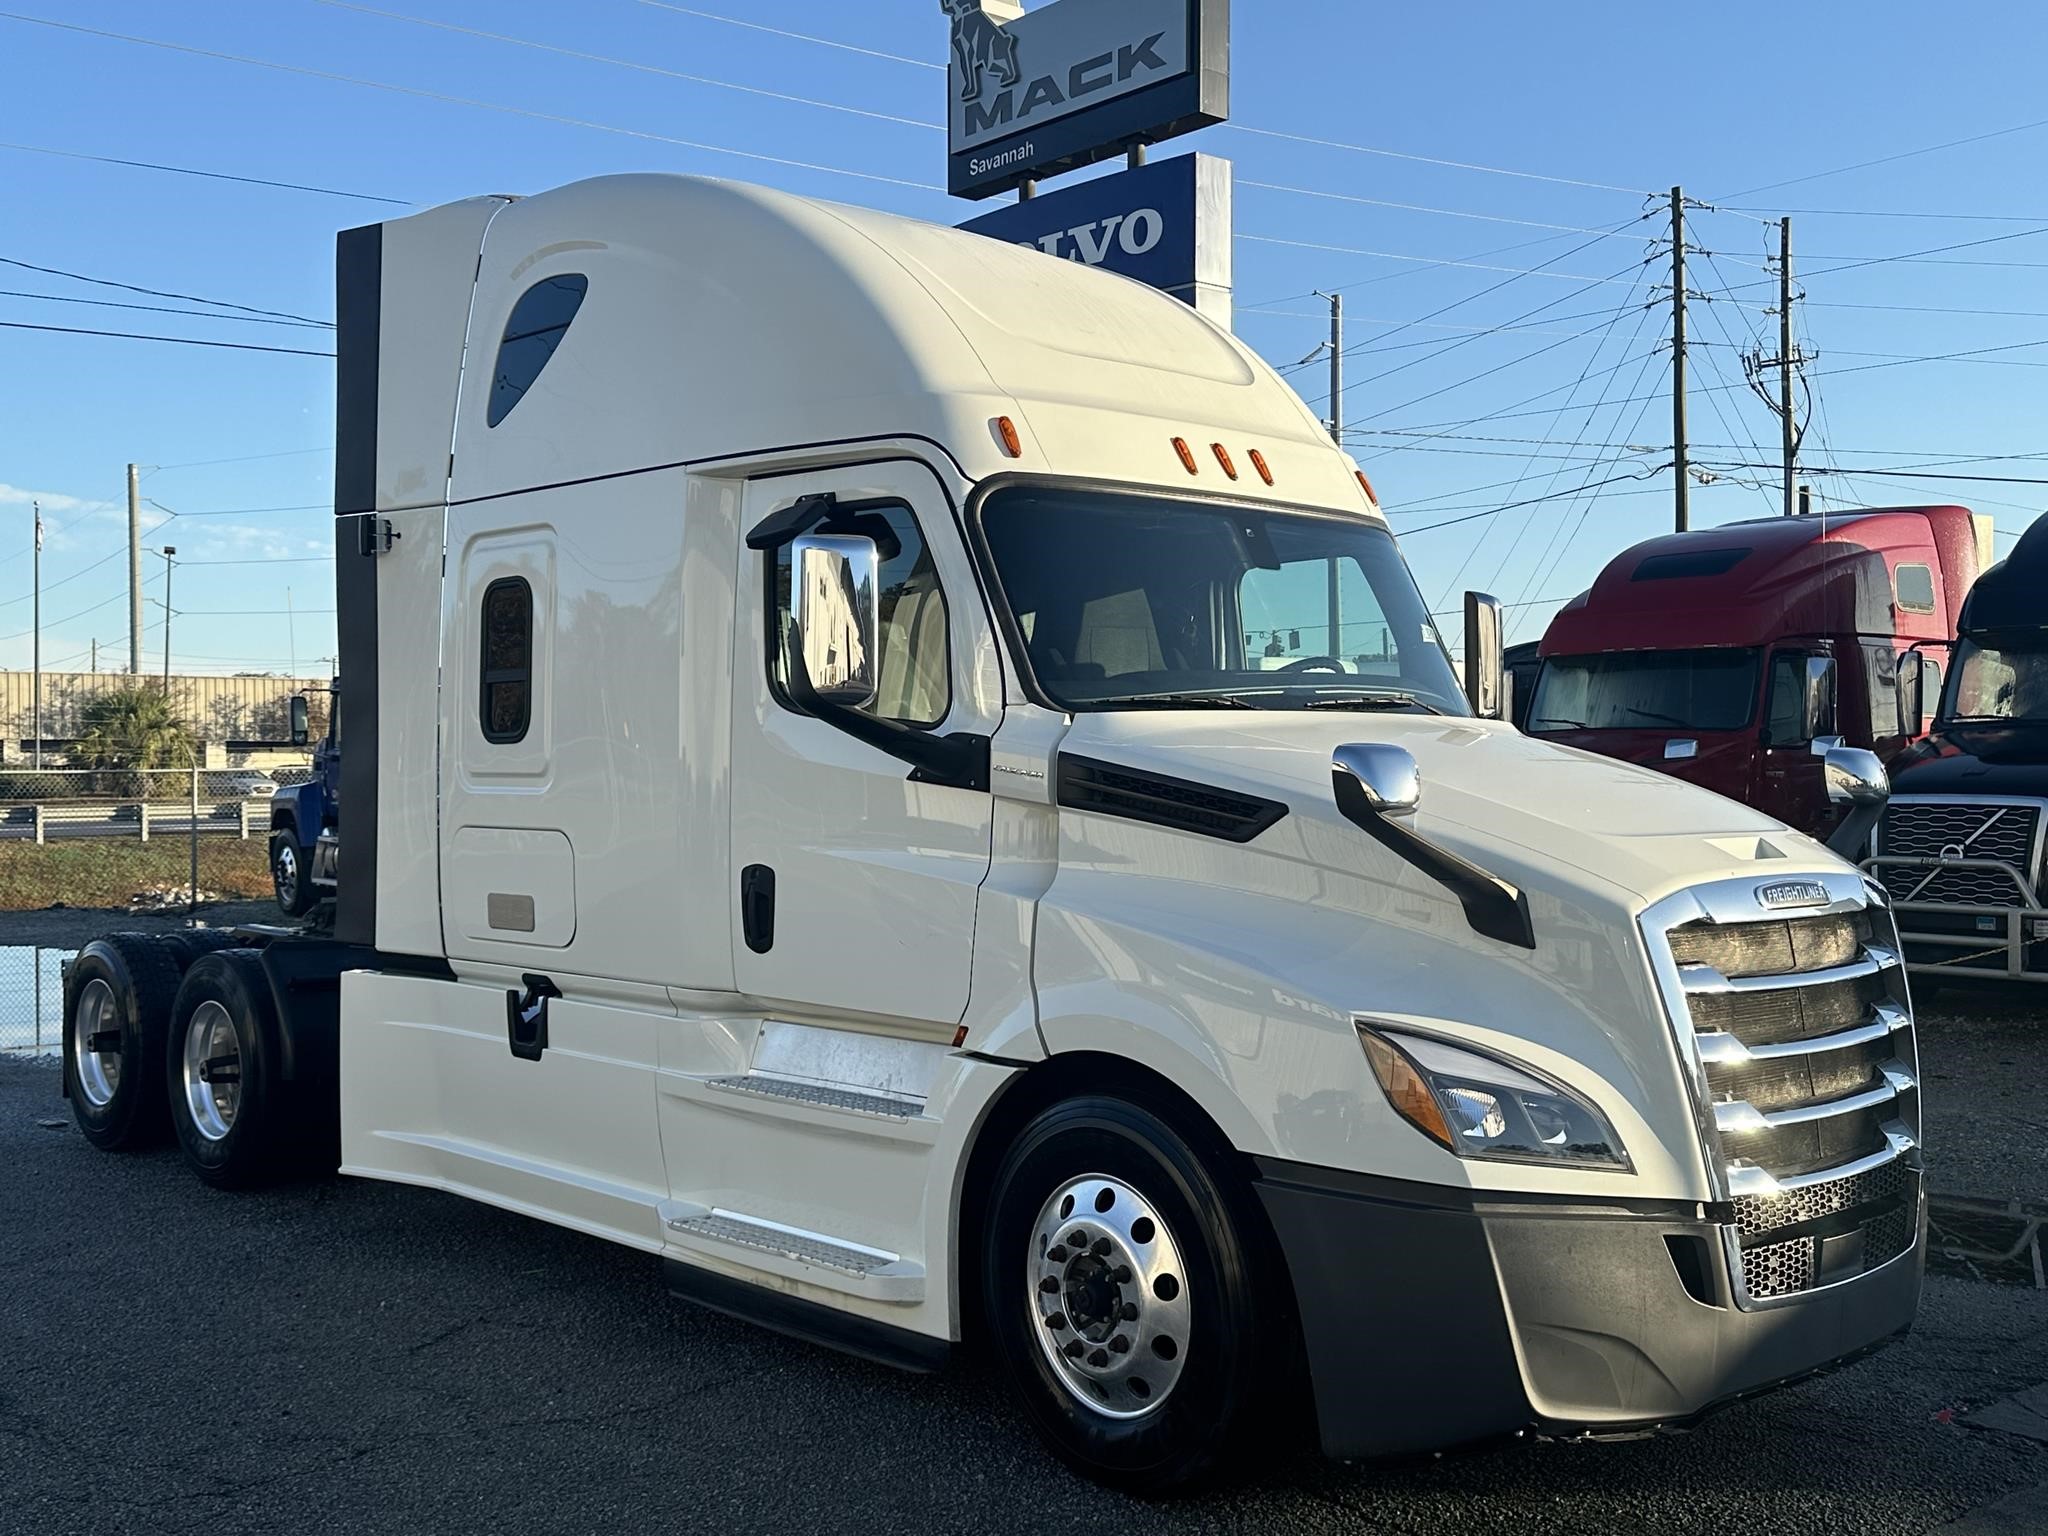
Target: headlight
{"points": [[1486, 1107]]}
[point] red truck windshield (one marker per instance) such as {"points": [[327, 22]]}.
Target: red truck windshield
{"points": [[1703, 690]]}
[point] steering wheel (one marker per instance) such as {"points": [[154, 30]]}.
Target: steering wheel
{"points": [[1313, 664]]}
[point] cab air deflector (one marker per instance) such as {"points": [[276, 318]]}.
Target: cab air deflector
{"points": [[1492, 906]]}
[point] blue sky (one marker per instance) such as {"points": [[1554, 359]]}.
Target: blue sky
{"points": [[1723, 99]]}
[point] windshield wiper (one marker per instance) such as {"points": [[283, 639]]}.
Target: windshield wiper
{"points": [[1368, 701], [1551, 723], [1172, 701]]}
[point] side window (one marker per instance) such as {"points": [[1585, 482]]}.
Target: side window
{"points": [[532, 332], [506, 702], [915, 682], [1916, 588], [1785, 708], [1882, 664], [1930, 691]]}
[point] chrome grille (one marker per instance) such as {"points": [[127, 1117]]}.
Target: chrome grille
{"points": [[1806, 1073], [1921, 830], [1964, 853], [1937, 886]]}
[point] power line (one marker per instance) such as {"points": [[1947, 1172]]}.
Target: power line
{"points": [[1457, 165], [1380, 202], [1531, 501], [246, 458], [159, 293], [186, 341], [1824, 469], [1864, 165], [1888, 213], [465, 101], [1426, 261], [802, 37], [267, 560], [154, 309], [311, 506], [651, 69], [186, 170]]}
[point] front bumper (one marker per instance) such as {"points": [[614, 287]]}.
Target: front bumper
{"points": [[1434, 1317]]}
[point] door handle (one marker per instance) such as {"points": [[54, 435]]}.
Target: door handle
{"points": [[757, 907], [526, 1017]]}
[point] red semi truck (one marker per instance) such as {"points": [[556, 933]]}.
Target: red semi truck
{"points": [[1723, 656]]}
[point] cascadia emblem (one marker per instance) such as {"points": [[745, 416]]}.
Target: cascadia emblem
{"points": [[1793, 893]]}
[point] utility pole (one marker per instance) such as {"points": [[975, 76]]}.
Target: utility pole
{"points": [[169, 550], [95, 656], [1334, 586], [1680, 472], [1789, 442], [37, 624], [134, 572]]}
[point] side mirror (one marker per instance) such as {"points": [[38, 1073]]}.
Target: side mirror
{"points": [[1912, 684], [1855, 777], [1485, 670], [1820, 697], [1386, 778], [302, 729], [834, 605]]}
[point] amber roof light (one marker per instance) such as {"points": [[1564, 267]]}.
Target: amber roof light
{"points": [[1006, 429], [1187, 456], [1259, 463], [1223, 458]]}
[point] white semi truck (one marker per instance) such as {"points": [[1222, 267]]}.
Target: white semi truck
{"points": [[823, 812]]}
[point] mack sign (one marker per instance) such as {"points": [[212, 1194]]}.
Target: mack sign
{"points": [[1076, 81], [1167, 224]]}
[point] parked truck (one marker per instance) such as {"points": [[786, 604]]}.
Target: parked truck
{"points": [[305, 818], [1722, 656], [814, 820], [1961, 846]]}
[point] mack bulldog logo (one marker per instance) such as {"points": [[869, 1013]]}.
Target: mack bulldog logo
{"points": [[980, 46], [1793, 893]]}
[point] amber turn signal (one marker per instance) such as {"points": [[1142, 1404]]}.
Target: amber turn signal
{"points": [[1406, 1088], [1006, 429], [1259, 463], [1365, 485], [1187, 455]]}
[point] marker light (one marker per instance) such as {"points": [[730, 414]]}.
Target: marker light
{"points": [[1006, 429], [1259, 463], [1187, 455], [1365, 485], [1223, 458], [1482, 1106]]}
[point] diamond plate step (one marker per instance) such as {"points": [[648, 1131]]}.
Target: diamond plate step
{"points": [[853, 1101], [828, 1261]]}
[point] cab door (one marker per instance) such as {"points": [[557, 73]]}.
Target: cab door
{"points": [[856, 878]]}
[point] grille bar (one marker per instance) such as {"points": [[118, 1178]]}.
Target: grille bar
{"points": [[1705, 979], [1721, 1049], [1740, 1118]]}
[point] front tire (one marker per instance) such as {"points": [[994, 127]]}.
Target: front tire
{"points": [[289, 876], [226, 1098], [1120, 1295], [118, 997]]}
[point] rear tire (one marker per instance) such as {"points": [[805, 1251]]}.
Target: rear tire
{"points": [[290, 878], [1138, 1352], [118, 998], [227, 1103]]}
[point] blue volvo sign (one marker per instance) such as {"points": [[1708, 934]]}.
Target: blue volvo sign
{"points": [[1166, 224]]}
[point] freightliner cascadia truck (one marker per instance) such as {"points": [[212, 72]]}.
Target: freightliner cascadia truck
{"points": [[813, 818]]}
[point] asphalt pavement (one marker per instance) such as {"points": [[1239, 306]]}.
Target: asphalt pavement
{"points": [[344, 1356]]}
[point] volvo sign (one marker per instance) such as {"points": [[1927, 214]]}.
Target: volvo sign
{"points": [[1167, 224], [1076, 81]]}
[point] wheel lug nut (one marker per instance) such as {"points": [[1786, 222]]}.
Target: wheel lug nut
{"points": [[1122, 1274], [1130, 1312], [1120, 1345], [1057, 1321], [1099, 1359], [1072, 1349], [1056, 1255], [1101, 1248], [1049, 1285], [1078, 1239]]}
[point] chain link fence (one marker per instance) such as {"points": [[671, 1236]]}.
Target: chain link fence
{"points": [[31, 999], [163, 840]]}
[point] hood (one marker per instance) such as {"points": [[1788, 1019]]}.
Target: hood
{"points": [[1527, 809], [1720, 758], [1992, 758]]}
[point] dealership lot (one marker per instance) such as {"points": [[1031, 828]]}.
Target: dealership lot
{"points": [[360, 1357]]}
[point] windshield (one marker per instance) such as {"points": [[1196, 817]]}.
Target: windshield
{"points": [[2003, 679], [1132, 601], [1709, 690]]}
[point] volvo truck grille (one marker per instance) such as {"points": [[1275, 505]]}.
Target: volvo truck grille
{"points": [[1924, 846], [1796, 1029]]}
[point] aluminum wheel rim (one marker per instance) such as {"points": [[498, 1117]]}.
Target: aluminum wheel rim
{"points": [[99, 1072], [213, 1070], [286, 869], [1107, 1297]]}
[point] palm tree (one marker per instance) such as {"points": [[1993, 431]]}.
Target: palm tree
{"points": [[132, 728]]}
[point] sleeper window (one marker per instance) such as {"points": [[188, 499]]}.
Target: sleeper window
{"points": [[532, 332], [1916, 588], [506, 705], [914, 684]]}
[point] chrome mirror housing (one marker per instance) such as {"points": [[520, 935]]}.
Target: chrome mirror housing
{"points": [[1388, 777], [834, 598], [1855, 777], [1485, 669]]}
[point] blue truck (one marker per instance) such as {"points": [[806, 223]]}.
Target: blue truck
{"points": [[304, 818]]}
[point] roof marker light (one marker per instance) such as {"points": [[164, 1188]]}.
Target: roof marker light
{"points": [[1365, 485], [1223, 458], [1187, 455], [1259, 463], [1006, 429]]}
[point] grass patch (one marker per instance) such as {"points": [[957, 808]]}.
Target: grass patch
{"points": [[112, 871]]}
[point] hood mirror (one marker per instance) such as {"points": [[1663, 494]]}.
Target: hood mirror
{"points": [[1485, 664], [834, 582], [1386, 777], [1855, 776]]}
